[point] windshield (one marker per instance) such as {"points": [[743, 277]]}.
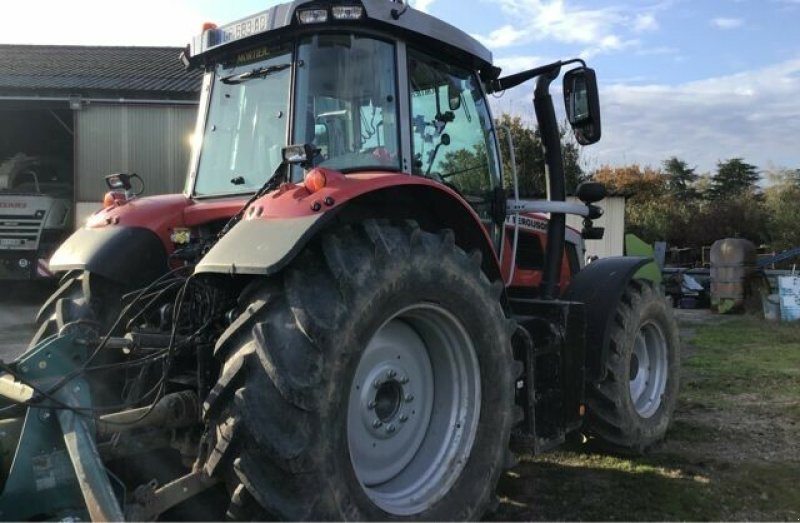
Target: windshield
{"points": [[247, 120], [346, 102]]}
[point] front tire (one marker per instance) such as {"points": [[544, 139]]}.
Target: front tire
{"points": [[372, 381], [632, 408], [81, 296]]}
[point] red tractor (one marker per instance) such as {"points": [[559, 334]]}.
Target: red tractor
{"points": [[345, 315]]}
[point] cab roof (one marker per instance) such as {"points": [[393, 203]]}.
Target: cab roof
{"points": [[397, 18]]}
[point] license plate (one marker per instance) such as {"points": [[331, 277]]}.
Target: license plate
{"points": [[10, 242], [245, 28]]}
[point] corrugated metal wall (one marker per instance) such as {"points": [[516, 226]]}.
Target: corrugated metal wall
{"points": [[151, 140], [613, 219]]}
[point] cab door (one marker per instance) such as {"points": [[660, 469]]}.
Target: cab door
{"points": [[453, 139]]}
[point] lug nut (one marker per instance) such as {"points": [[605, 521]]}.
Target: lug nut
{"points": [[390, 428], [404, 380], [377, 384], [403, 418], [377, 423], [391, 374], [371, 405], [409, 398]]}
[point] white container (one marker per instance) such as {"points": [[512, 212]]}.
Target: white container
{"points": [[789, 292], [772, 307]]}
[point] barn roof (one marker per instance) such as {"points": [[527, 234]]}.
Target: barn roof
{"points": [[52, 70]]}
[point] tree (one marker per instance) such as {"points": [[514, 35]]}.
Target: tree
{"points": [[734, 178], [652, 212], [781, 200], [530, 158], [680, 178], [739, 216], [465, 170]]}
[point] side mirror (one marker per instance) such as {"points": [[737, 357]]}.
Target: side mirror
{"points": [[583, 104], [454, 95]]}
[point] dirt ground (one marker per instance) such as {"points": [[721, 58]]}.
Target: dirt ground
{"points": [[734, 460]]}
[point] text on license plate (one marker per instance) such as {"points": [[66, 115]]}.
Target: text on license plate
{"points": [[10, 242]]}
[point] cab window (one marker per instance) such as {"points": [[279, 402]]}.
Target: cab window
{"points": [[452, 136]]}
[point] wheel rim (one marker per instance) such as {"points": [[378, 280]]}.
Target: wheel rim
{"points": [[413, 409], [648, 369]]}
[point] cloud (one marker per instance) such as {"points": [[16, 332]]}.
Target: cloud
{"points": [[727, 23], [422, 5], [645, 22], [595, 30], [752, 114], [516, 63], [501, 37]]}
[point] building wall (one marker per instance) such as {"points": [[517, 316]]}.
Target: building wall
{"points": [[149, 140], [613, 219]]}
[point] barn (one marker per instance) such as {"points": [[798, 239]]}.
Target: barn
{"points": [[99, 110]]}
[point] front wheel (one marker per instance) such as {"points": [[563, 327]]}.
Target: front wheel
{"points": [[633, 407], [372, 381]]}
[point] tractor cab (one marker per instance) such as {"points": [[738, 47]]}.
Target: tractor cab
{"points": [[359, 85], [371, 87]]}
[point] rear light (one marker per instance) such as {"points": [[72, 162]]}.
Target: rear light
{"points": [[312, 16], [315, 181], [207, 26], [347, 12]]}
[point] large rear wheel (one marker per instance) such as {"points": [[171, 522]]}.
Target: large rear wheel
{"points": [[373, 380], [633, 407]]}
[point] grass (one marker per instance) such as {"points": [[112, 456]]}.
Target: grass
{"points": [[744, 357], [732, 453]]}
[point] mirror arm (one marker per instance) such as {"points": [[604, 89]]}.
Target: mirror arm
{"points": [[508, 82], [513, 80], [554, 175]]}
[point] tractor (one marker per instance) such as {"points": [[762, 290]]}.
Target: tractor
{"points": [[345, 315]]}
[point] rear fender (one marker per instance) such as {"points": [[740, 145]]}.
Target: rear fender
{"points": [[600, 286], [281, 224]]}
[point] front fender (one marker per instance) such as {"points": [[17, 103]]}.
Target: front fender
{"points": [[599, 287], [132, 256]]}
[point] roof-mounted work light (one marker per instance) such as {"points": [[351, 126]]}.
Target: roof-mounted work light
{"points": [[347, 12], [312, 16], [320, 15]]}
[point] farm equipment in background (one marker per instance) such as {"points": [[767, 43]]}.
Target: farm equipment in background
{"points": [[35, 214], [346, 315]]}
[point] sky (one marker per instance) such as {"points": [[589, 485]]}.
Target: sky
{"points": [[703, 80]]}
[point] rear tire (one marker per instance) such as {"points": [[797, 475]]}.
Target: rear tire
{"points": [[373, 380], [632, 408]]}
